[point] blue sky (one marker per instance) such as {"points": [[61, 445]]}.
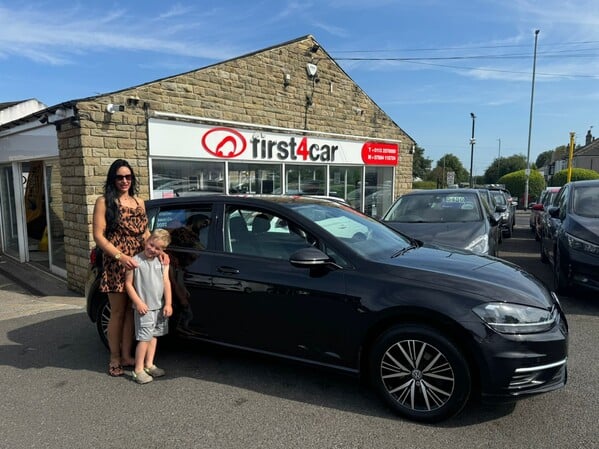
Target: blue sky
{"points": [[427, 63]]}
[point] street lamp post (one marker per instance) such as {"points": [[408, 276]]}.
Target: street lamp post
{"points": [[472, 142], [499, 158], [532, 96]]}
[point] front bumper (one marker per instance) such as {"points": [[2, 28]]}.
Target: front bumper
{"points": [[526, 364], [583, 269]]}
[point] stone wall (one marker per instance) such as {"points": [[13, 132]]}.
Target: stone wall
{"points": [[249, 89]]}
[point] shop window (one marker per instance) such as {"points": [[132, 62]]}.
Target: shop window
{"points": [[186, 178], [254, 178], [378, 190], [344, 182], [305, 180]]}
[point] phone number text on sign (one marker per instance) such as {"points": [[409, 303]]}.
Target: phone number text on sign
{"points": [[379, 153]]}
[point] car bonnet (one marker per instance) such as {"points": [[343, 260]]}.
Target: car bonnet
{"points": [[583, 228], [458, 235], [484, 276]]}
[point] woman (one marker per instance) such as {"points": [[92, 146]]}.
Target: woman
{"points": [[120, 227]]}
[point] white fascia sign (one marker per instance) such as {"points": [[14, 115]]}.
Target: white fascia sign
{"points": [[168, 138]]}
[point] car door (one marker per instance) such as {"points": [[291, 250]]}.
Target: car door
{"points": [[191, 226], [554, 222], [259, 300]]}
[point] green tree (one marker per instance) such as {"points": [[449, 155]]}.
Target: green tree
{"points": [[515, 182], [502, 166], [578, 174], [447, 163], [560, 153], [421, 165], [544, 158]]}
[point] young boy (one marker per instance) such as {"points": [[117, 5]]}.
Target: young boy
{"points": [[149, 288]]}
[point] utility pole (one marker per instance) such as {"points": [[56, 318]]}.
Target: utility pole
{"points": [[532, 96], [499, 159], [472, 142]]}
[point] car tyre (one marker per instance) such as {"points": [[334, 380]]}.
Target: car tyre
{"points": [[102, 318], [420, 373]]}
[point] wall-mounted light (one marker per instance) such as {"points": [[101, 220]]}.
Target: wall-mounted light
{"points": [[112, 108], [314, 48], [43, 119], [286, 80], [412, 149], [133, 101]]}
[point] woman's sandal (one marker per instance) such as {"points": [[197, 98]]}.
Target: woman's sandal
{"points": [[115, 370]]}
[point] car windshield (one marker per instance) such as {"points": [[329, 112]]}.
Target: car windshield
{"points": [[437, 207], [499, 198], [586, 201], [363, 234]]}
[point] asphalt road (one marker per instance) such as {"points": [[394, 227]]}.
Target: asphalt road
{"points": [[55, 392]]}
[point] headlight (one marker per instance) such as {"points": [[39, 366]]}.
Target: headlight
{"points": [[582, 245], [479, 245], [515, 318]]}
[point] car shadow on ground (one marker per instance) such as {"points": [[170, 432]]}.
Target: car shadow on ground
{"points": [[69, 341]]}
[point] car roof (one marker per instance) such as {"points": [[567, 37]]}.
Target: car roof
{"points": [[429, 191], [249, 198], [585, 183]]}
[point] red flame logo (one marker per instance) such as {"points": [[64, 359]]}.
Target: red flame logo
{"points": [[224, 142]]}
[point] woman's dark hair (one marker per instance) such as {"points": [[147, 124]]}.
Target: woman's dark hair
{"points": [[111, 193]]}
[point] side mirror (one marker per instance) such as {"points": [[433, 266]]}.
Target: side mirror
{"points": [[500, 208], [311, 258], [553, 211], [537, 206]]}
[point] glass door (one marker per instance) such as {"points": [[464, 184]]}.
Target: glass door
{"points": [[53, 240], [9, 223]]}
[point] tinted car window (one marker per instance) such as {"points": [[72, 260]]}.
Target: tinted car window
{"points": [[499, 198], [363, 234], [260, 233], [188, 226], [586, 202]]}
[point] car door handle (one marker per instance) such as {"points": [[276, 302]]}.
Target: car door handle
{"points": [[228, 270]]}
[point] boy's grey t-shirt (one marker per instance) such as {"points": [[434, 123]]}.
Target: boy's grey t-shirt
{"points": [[148, 282]]}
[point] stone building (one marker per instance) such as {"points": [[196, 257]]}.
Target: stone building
{"points": [[289, 120]]}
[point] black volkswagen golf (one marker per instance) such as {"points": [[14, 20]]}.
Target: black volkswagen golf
{"points": [[316, 281]]}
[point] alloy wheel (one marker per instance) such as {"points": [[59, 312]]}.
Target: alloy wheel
{"points": [[417, 375]]}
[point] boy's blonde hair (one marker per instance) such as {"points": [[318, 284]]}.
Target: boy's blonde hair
{"points": [[161, 234]]}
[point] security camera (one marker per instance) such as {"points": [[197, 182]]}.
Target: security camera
{"points": [[112, 108], [311, 69]]}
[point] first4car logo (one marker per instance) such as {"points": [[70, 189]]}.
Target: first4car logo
{"points": [[224, 142], [229, 143]]}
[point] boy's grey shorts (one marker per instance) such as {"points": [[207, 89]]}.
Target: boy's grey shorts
{"points": [[152, 324]]}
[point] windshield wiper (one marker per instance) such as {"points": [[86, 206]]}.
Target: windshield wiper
{"points": [[402, 251]]}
